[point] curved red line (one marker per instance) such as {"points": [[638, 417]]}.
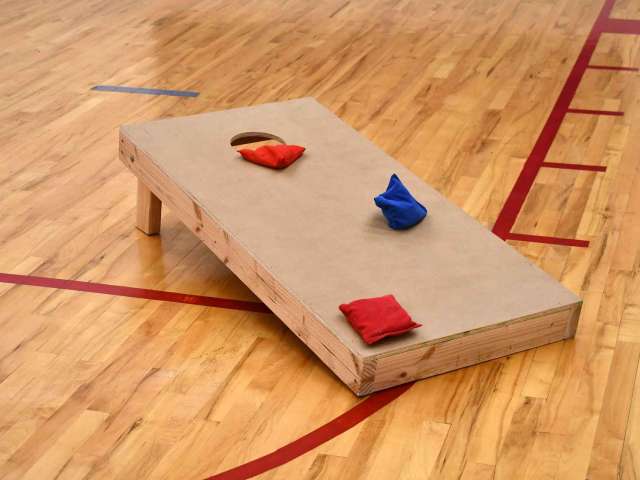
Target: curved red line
{"points": [[317, 437], [294, 449], [134, 292]]}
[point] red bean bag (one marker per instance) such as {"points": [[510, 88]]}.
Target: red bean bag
{"points": [[378, 317], [273, 156]]}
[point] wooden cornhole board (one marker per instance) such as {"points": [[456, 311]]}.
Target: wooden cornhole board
{"points": [[309, 237]]}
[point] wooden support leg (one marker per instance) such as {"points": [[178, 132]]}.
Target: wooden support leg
{"points": [[149, 210]]}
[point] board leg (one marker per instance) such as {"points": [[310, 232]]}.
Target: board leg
{"points": [[149, 210]]}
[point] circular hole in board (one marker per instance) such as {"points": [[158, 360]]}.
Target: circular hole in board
{"points": [[254, 140]]}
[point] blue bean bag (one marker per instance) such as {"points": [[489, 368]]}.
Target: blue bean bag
{"points": [[398, 206]]}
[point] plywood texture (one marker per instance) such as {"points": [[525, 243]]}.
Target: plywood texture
{"points": [[308, 238]]}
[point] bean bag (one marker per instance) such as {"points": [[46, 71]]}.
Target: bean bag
{"points": [[398, 206], [273, 156], [377, 318]]}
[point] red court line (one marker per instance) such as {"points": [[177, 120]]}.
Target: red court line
{"points": [[620, 25], [512, 206], [571, 242], [575, 166], [133, 292], [608, 67], [302, 445], [595, 112]]}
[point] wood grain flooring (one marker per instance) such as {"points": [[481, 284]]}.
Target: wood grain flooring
{"points": [[106, 387]]}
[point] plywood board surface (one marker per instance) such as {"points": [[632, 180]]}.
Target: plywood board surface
{"points": [[314, 226]]}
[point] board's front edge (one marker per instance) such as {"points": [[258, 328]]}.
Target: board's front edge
{"points": [[469, 349]]}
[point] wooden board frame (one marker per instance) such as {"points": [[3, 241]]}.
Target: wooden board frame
{"points": [[363, 374]]}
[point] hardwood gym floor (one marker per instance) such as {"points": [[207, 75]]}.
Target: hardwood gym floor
{"points": [[96, 386]]}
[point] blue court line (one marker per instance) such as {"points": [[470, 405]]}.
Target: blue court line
{"points": [[145, 91]]}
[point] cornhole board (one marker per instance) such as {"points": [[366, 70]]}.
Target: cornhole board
{"points": [[308, 238]]}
